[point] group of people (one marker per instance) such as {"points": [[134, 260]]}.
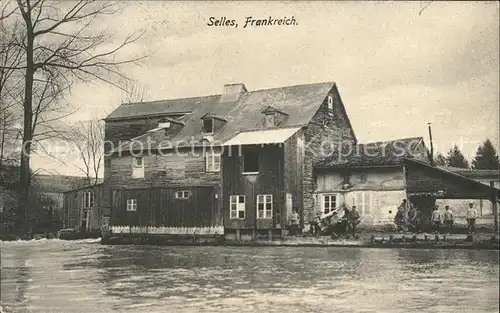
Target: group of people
{"points": [[347, 222], [413, 221], [438, 218], [408, 218], [446, 218]]}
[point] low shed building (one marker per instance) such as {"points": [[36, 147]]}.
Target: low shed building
{"points": [[376, 177], [82, 208]]}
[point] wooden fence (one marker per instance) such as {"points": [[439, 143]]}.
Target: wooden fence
{"points": [[152, 230]]}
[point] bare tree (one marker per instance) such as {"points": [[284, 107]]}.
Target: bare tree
{"points": [[133, 91], [88, 138], [9, 137], [60, 40], [10, 83]]}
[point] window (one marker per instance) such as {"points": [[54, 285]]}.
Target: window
{"points": [[264, 206], [88, 199], [208, 125], [330, 105], [212, 162], [250, 160], [329, 203], [363, 202], [270, 120], [163, 124], [183, 194], [138, 162], [132, 205], [138, 167], [237, 207]]}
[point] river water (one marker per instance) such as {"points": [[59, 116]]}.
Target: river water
{"points": [[48, 276]]}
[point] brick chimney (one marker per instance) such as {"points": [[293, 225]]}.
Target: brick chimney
{"points": [[232, 92]]}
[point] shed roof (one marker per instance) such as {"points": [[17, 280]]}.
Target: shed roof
{"points": [[257, 137], [425, 179], [300, 102], [473, 173]]}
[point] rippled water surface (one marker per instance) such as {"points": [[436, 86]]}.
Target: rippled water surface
{"points": [[73, 277]]}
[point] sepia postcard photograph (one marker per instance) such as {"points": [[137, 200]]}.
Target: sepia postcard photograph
{"points": [[249, 156]]}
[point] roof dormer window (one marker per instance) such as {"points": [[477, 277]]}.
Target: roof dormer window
{"points": [[163, 124], [166, 124], [211, 123], [270, 120], [273, 117], [208, 125]]}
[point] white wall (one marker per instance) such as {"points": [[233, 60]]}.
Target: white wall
{"points": [[374, 191]]}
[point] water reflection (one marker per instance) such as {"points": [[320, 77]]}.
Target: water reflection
{"points": [[80, 277], [16, 276]]}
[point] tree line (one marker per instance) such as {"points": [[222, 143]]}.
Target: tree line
{"points": [[486, 157]]}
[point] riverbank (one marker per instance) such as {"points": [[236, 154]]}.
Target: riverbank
{"points": [[67, 236], [363, 240], [381, 240], [387, 240]]}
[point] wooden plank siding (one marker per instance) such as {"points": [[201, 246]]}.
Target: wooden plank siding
{"points": [[269, 180], [126, 129], [73, 208], [284, 169], [187, 167], [164, 170], [425, 179], [293, 172], [159, 207]]}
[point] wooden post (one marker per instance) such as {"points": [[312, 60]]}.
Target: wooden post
{"points": [[494, 200]]}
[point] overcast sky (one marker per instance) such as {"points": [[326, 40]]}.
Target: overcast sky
{"points": [[396, 70]]}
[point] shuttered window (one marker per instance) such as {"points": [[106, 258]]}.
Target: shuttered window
{"points": [[363, 202]]}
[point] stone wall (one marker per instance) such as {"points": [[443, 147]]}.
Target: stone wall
{"points": [[324, 131]]}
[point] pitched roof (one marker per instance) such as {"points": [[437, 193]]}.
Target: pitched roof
{"points": [[270, 109], [211, 115], [382, 153], [300, 102]]}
